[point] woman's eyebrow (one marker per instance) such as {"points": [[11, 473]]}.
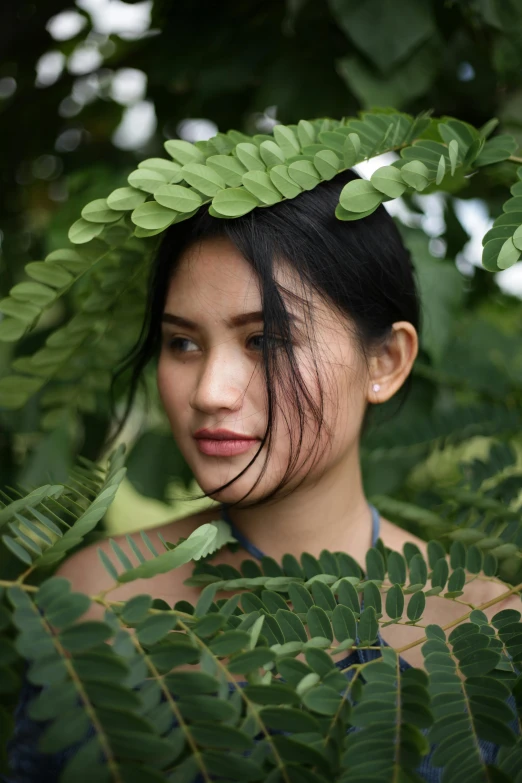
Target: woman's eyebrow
{"points": [[237, 320]]}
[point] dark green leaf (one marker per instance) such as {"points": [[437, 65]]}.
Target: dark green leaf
{"points": [[271, 567], [155, 627], [493, 730], [344, 623], [474, 560], [410, 550], [291, 566], [435, 552], [490, 564], [457, 580], [275, 693], [319, 661], [347, 595], [296, 750], [231, 767], [85, 635], [189, 682], [479, 662], [104, 666], [68, 728], [318, 623], [395, 602], [440, 573], [396, 568], [322, 699], [293, 670], [205, 600], [323, 596], [251, 660], [140, 745], [372, 597], [136, 608], [348, 566], [496, 149], [300, 598], [292, 627], [416, 606], [172, 651], [289, 719], [54, 700], [457, 555], [66, 609], [105, 694], [418, 570], [230, 642], [207, 708], [368, 626], [21, 553], [375, 568], [209, 625], [273, 601]]}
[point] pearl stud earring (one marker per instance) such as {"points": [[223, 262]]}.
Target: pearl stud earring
{"points": [[376, 387]]}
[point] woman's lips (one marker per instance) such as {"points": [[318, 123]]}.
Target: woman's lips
{"points": [[224, 448]]}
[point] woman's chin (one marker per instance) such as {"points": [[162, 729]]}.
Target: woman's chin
{"points": [[228, 496], [233, 494]]}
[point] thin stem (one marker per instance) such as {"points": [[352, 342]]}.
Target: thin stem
{"points": [[462, 618], [25, 574], [247, 701], [159, 679], [29, 588], [69, 665], [345, 695]]}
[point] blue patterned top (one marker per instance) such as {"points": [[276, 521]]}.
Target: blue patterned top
{"points": [[28, 765]]}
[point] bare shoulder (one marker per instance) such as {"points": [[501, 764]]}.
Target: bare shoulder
{"points": [[88, 575], [394, 537]]}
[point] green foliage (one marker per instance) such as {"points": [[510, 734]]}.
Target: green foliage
{"points": [[74, 314], [86, 499], [250, 709]]}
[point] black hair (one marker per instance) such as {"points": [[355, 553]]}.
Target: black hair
{"points": [[360, 267]]}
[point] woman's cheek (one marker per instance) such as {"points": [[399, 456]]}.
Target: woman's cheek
{"points": [[170, 390], [162, 383]]}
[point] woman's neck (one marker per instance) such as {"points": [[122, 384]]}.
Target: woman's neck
{"points": [[332, 514]]}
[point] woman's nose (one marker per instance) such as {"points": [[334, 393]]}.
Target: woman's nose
{"points": [[219, 384]]}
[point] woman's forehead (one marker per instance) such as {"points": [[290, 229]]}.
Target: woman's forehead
{"points": [[213, 276], [216, 264], [214, 273]]}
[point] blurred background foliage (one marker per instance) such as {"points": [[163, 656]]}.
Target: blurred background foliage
{"points": [[88, 90]]}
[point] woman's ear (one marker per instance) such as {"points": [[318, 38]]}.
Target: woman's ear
{"points": [[390, 367]]}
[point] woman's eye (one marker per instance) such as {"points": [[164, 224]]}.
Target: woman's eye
{"points": [[179, 345], [257, 341]]}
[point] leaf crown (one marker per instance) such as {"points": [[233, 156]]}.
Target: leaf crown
{"points": [[233, 174]]}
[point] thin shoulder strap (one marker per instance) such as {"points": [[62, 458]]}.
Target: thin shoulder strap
{"points": [[243, 540], [257, 553]]}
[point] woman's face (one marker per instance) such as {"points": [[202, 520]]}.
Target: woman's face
{"points": [[210, 375]]}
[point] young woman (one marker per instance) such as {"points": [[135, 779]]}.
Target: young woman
{"points": [[274, 335]]}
